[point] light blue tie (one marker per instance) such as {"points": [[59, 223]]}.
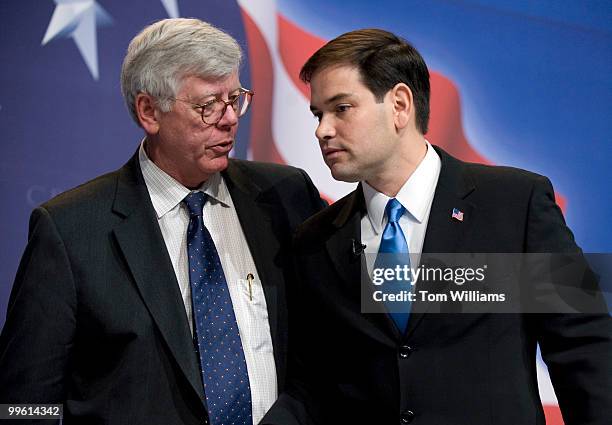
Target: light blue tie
{"points": [[217, 340], [394, 242]]}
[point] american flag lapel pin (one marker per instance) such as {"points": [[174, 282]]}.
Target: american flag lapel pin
{"points": [[457, 214]]}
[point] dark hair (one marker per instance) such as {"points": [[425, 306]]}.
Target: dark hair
{"points": [[383, 60]]}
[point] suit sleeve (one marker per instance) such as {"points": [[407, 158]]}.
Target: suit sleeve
{"points": [[37, 337], [577, 348]]}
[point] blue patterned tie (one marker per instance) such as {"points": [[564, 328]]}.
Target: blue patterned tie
{"points": [[394, 242], [224, 370]]}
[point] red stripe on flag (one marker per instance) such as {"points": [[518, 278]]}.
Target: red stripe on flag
{"points": [[262, 76], [561, 201], [295, 47], [553, 415]]}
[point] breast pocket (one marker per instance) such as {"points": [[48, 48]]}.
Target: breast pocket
{"points": [[252, 292], [255, 313]]}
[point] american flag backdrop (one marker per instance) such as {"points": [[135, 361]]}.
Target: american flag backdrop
{"points": [[520, 83]]}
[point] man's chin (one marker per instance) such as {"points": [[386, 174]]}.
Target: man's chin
{"points": [[216, 165], [343, 174]]}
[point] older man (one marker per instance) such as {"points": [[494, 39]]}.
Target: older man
{"points": [[155, 294]]}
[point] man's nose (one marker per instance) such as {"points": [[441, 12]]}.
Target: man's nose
{"points": [[326, 129], [229, 117]]}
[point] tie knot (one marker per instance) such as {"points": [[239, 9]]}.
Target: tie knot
{"points": [[195, 203], [394, 210]]}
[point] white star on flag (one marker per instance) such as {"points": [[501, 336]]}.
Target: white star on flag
{"points": [[171, 7], [79, 20]]}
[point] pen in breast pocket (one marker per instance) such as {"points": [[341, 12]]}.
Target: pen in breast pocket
{"points": [[250, 278]]}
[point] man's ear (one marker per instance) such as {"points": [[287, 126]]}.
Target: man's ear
{"points": [[147, 113], [403, 105]]}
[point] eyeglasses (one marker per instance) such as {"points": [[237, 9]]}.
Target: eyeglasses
{"points": [[213, 110]]}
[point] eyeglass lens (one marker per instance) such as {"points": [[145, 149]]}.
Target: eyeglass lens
{"points": [[240, 104]]}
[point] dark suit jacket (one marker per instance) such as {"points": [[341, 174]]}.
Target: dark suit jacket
{"points": [[447, 369], [95, 318]]}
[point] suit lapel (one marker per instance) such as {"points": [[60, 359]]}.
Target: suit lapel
{"points": [[142, 244], [353, 270], [260, 223], [446, 234]]}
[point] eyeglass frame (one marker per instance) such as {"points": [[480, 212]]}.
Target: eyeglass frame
{"points": [[227, 103]]}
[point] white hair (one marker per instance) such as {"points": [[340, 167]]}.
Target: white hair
{"points": [[164, 53]]}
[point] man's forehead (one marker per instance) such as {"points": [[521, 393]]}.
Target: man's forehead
{"points": [[198, 87], [331, 84]]}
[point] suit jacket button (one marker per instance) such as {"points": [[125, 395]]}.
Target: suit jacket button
{"points": [[406, 417], [405, 351]]}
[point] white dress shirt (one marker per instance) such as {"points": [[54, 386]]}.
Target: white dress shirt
{"points": [[222, 222], [416, 195]]}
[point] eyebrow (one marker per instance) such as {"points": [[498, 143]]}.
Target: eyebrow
{"points": [[334, 98], [214, 95]]}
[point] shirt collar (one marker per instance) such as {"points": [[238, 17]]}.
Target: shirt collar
{"points": [[166, 193], [415, 195]]}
